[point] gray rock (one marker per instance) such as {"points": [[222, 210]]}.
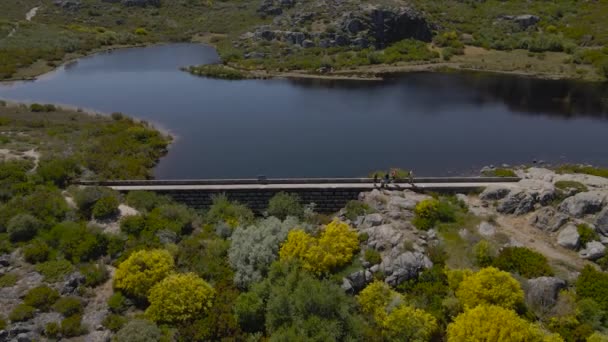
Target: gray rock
{"points": [[270, 8], [406, 266], [307, 43], [383, 237], [601, 222], [342, 40], [541, 293], [593, 251], [3, 335], [254, 55], [5, 260], [373, 220], [98, 336], [583, 203], [354, 25], [141, 3], [21, 328], [166, 236], [569, 237], [360, 279], [494, 192], [361, 43], [325, 43], [374, 268], [548, 220], [518, 203], [71, 283], [486, 229], [23, 338], [347, 286], [68, 4], [526, 20]]}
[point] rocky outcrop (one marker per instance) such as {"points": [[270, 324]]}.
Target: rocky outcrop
{"points": [[486, 229], [274, 7], [141, 3], [71, 283], [517, 202], [548, 219], [404, 267], [601, 222], [524, 20], [495, 192], [373, 220], [569, 237], [541, 293], [384, 26], [357, 281], [68, 4], [583, 203], [593, 251]]}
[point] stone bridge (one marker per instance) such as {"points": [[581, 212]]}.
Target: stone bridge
{"points": [[329, 194]]}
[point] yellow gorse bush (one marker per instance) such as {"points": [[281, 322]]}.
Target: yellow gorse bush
{"points": [[490, 286], [142, 270], [335, 247], [497, 324], [179, 298]]}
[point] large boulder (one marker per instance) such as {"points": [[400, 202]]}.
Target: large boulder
{"points": [[583, 203], [495, 192], [274, 7], [541, 293], [383, 237], [569, 237], [404, 267], [68, 4], [357, 281], [71, 283], [486, 229], [601, 222], [593, 251], [517, 202], [548, 219], [373, 220]]}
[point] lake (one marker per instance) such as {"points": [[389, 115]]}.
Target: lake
{"points": [[433, 123]]}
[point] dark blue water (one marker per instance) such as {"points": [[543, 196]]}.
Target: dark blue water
{"points": [[436, 124]]}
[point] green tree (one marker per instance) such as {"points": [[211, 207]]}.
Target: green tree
{"points": [[284, 204], [138, 330], [142, 270], [23, 227], [179, 298], [492, 287], [593, 284], [524, 261]]}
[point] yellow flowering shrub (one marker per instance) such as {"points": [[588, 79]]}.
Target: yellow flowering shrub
{"points": [[335, 247], [142, 270], [490, 286], [375, 298], [179, 298], [496, 324]]}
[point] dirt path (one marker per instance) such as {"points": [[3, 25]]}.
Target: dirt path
{"points": [[28, 16]]}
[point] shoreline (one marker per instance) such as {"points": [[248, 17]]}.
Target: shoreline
{"points": [[379, 72]]}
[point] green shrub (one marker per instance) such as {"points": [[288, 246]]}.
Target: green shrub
{"points": [[586, 233], [114, 322], [22, 313], [58, 171], [139, 330], [72, 326], [500, 172], [106, 207], [77, 242], [354, 209], [173, 217], [145, 200], [118, 303], [41, 297], [95, 274], [593, 284], [86, 198], [432, 211], [8, 280], [36, 251], [52, 330], [37, 108], [284, 204], [23, 227], [484, 254], [587, 170], [68, 306], [140, 31], [2, 323], [133, 225], [373, 256], [224, 210], [55, 270], [524, 261], [566, 185], [218, 71]]}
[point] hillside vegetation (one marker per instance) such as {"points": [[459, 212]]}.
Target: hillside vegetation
{"points": [[562, 38]]}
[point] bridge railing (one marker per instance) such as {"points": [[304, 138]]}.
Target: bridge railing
{"points": [[246, 181]]}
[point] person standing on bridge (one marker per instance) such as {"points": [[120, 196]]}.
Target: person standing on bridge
{"points": [[410, 176]]}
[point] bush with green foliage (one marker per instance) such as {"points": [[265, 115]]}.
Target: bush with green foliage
{"points": [[372, 256], [354, 209], [142, 270], [597, 336], [22, 313], [334, 248], [593, 284], [2, 323], [524, 261], [484, 253], [118, 303], [8, 280], [54, 270], [95, 273], [255, 247], [586, 234], [87, 197], [583, 169], [293, 304], [492, 287], [36, 251], [232, 213], [23, 227], [77, 242], [41, 297], [139, 330], [499, 173], [58, 171], [213, 250], [45, 203], [219, 71], [176, 218], [106, 207], [146, 200], [285, 204], [432, 211], [133, 225], [52, 330], [567, 185], [179, 298], [72, 326], [69, 306], [114, 322]]}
